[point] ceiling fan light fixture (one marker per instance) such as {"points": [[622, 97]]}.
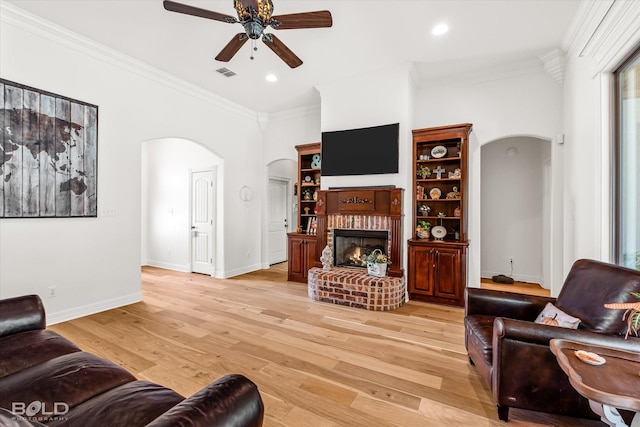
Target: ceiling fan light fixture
{"points": [[252, 9]]}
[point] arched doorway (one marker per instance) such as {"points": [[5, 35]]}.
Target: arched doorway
{"points": [[516, 209], [170, 167]]}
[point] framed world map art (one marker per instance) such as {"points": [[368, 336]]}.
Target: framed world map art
{"points": [[48, 154]]}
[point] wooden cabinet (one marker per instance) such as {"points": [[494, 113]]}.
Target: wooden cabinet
{"points": [[437, 271], [302, 255], [437, 264], [302, 244]]}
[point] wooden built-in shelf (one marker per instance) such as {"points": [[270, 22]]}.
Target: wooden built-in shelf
{"points": [[437, 268]]}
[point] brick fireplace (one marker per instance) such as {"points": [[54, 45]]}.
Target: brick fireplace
{"points": [[371, 218]]}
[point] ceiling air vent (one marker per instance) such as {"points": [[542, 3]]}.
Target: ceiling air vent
{"points": [[226, 72]]}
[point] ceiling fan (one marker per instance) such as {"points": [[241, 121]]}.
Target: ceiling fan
{"points": [[255, 16]]}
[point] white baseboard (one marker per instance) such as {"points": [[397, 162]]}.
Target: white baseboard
{"points": [[217, 274], [238, 271], [85, 310], [169, 266]]}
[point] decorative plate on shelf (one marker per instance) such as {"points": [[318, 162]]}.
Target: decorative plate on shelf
{"points": [[590, 358], [438, 151], [438, 232], [435, 193]]}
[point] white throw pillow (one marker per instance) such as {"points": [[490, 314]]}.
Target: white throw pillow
{"points": [[551, 313]]}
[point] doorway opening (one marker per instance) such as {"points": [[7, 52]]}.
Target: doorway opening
{"points": [[179, 179], [281, 209], [516, 209]]}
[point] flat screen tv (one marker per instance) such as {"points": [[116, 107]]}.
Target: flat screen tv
{"points": [[365, 151]]}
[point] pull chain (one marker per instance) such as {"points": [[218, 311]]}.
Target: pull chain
{"points": [[254, 48]]}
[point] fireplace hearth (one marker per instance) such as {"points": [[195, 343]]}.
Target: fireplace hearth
{"points": [[351, 246]]}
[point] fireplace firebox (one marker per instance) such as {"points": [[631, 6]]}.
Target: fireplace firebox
{"points": [[351, 246]]}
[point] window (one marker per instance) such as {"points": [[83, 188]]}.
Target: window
{"points": [[627, 246]]}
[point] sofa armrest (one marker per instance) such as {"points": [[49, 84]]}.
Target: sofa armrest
{"points": [[536, 333], [504, 304], [231, 401], [20, 314]]}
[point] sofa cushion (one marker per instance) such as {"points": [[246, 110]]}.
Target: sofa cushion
{"points": [[70, 379], [26, 349], [133, 404], [9, 419], [591, 284]]}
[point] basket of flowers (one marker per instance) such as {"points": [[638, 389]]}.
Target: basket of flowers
{"points": [[423, 230], [376, 263]]}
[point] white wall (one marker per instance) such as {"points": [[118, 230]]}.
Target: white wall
{"points": [[525, 101], [512, 188], [606, 33], [283, 131], [95, 262], [166, 233]]}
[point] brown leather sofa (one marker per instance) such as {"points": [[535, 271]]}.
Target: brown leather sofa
{"points": [[45, 378], [512, 353]]}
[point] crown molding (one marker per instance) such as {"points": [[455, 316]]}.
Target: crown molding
{"points": [[555, 63], [605, 31], [586, 20], [489, 74], [34, 24], [309, 110], [618, 34]]}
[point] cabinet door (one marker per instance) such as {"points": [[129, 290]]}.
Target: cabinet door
{"points": [[310, 256], [297, 262], [446, 273], [421, 270]]}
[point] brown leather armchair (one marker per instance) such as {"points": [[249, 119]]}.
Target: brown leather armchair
{"points": [[511, 351]]}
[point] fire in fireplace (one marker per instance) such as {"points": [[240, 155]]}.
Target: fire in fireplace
{"points": [[350, 246]]}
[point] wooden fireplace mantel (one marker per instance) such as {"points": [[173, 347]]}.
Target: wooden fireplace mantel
{"points": [[386, 202]]}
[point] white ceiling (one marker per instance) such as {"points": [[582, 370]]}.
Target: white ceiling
{"points": [[366, 35]]}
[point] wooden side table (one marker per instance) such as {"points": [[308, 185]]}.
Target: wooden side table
{"points": [[609, 387]]}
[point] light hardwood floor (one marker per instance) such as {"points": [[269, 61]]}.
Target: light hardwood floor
{"points": [[315, 364], [517, 287]]}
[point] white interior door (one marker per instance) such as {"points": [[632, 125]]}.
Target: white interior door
{"points": [[202, 221], [277, 221]]}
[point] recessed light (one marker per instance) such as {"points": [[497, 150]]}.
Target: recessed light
{"points": [[271, 78], [440, 29]]}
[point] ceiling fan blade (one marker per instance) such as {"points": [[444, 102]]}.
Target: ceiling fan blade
{"points": [[232, 47], [196, 11], [281, 50], [320, 19]]}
